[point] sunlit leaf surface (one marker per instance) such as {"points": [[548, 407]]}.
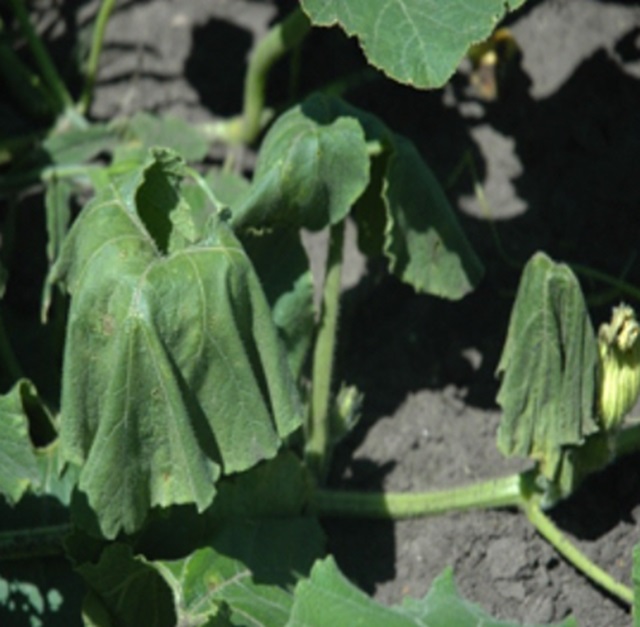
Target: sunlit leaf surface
{"points": [[419, 42]]}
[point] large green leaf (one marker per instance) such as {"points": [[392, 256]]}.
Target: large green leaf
{"points": [[312, 167], [286, 277], [405, 215], [419, 42], [327, 598], [311, 172], [173, 370], [548, 369]]}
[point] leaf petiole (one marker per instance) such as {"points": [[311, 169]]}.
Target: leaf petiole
{"points": [[318, 436], [106, 7]]}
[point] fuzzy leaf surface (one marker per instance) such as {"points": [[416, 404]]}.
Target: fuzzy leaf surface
{"points": [[418, 42], [174, 372], [548, 367]]}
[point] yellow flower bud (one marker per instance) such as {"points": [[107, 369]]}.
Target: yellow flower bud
{"points": [[619, 376]]}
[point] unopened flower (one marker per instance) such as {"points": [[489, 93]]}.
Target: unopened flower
{"points": [[619, 376]]}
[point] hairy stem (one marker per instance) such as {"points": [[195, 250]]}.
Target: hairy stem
{"points": [[548, 530], [501, 492], [106, 7], [318, 432], [42, 58], [279, 40]]}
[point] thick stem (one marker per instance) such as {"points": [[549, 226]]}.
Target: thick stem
{"points": [[280, 39], [42, 58], [318, 431], [548, 530], [503, 492], [106, 7]]}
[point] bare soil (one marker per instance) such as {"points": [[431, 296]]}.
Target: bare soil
{"points": [[556, 157]]}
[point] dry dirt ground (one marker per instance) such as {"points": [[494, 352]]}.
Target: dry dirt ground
{"points": [[556, 157]]}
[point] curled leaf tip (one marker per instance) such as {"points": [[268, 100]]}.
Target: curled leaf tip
{"points": [[619, 379]]}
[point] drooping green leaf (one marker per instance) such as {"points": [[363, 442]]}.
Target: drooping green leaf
{"points": [[327, 598], [312, 167], [399, 206], [548, 368], [173, 369], [405, 215], [418, 42], [424, 242], [18, 459]]}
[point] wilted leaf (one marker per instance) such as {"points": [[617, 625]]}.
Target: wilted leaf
{"points": [[418, 42], [173, 370], [548, 368], [399, 206], [18, 459], [423, 240]]}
